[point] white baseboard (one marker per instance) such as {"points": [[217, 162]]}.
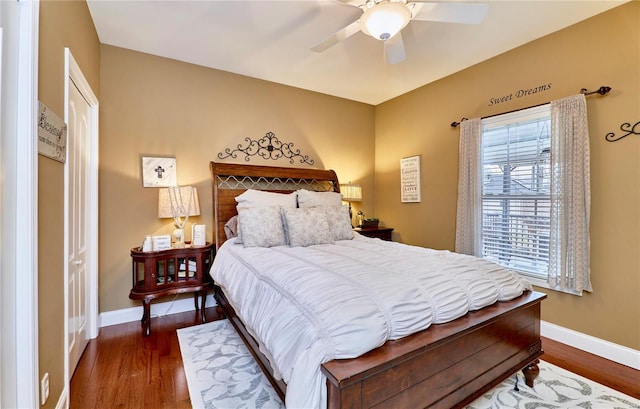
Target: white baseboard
{"points": [[62, 401], [605, 349], [157, 310]]}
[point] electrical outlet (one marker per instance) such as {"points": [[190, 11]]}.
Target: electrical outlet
{"points": [[44, 388]]}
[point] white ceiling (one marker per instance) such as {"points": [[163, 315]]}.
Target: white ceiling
{"points": [[271, 40]]}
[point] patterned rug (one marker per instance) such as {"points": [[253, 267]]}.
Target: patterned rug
{"points": [[222, 374]]}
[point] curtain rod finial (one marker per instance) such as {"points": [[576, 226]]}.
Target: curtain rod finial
{"points": [[602, 91], [454, 124]]}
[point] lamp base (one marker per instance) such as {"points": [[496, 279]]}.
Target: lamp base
{"points": [[178, 235]]}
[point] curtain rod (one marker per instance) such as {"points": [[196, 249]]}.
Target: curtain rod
{"points": [[602, 91]]}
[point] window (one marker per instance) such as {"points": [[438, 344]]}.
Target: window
{"points": [[515, 171], [524, 195]]}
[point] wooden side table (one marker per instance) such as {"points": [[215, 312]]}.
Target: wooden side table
{"points": [[383, 233], [174, 271]]}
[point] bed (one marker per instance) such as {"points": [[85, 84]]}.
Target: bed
{"points": [[445, 365]]}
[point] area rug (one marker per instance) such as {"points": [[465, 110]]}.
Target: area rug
{"points": [[222, 374]]}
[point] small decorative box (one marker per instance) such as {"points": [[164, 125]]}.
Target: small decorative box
{"points": [[370, 223]]}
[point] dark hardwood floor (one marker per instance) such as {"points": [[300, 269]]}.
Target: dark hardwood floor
{"points": [[123, 369], [619, 377]]}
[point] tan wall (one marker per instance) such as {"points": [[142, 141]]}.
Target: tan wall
{"points": [[603, 50], [156, 106], [62, 24]]}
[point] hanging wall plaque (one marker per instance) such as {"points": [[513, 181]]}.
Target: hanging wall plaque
{"points": [[410, 179], [159, 172], [52, 134]]}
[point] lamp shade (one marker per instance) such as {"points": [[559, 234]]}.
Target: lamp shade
{"points": [[384, 20], [178, 201], [351, 192]]}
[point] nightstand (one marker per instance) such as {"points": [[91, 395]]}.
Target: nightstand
{"points": [[383, 233], [173, 271]]}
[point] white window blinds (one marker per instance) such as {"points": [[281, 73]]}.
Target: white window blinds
{"points": [[516, 190]]}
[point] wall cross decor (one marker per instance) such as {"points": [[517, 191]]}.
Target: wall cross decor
{"points": [[268, 147], [159, 171]]}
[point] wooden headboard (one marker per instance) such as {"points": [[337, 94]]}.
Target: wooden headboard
{"points": [[229, 180]]}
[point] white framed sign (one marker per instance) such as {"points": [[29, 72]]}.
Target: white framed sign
{"points": [[410, 179], [52, 134], [158, 172]]}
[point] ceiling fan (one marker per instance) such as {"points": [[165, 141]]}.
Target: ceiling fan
{"points": [[384, 20]]}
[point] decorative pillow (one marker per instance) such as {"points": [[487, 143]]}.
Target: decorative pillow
{"points": [[308, 198], [231, 228], [261, 226], [261, 198], [307, 226], [339, 222]]}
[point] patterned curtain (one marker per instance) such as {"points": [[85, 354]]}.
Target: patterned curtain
{"points": [[469, 220], [569, 268]]}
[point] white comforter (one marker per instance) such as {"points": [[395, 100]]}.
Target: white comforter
{"points": [[309, 305]]}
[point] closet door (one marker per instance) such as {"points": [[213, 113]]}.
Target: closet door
{"points": [[77, 142]]}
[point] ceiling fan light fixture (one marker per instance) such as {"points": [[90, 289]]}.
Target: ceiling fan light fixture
{"points": [[385, 20]]}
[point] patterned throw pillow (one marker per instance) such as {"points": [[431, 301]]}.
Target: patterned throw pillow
{"points": [[307, 226], [251, 198], [261, 226], [339, 222]]}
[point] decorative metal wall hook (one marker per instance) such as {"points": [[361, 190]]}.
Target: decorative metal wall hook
{"points": [[625, 127], [268, 147]]}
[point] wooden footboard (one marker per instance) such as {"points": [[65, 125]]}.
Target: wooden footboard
{"points": [[446, 366]]}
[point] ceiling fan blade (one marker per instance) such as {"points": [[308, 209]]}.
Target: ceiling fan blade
{"points": [[394, 49], [339, 36], [464, 13]]}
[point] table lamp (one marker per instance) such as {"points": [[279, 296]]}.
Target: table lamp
{"points": [[178, 202], [351, 193]]}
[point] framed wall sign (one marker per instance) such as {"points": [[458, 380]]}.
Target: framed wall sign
{"points": [[410, 179], [52, 134], [158, 172]]}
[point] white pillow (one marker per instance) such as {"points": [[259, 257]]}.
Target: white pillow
{"points": [[308, 198], [261, 198], [261, 226], [339, 222], [307, 226]]}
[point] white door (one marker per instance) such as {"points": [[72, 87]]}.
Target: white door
{"points": [[77, 157]]}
